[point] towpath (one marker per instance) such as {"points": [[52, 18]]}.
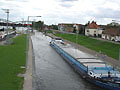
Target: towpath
{"points": [[28, 75]]}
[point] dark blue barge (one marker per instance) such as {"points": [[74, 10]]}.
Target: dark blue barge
{"points": [[89, 67]]}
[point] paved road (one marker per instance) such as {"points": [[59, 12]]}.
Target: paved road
{"points": [[51, 71]]}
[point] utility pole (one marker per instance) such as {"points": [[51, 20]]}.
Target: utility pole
{"points": [[22, 23], [7, 11], [33, 26]]}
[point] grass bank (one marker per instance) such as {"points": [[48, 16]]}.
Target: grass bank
{"points": [[11, 58], [49, 31], [110, 49]]}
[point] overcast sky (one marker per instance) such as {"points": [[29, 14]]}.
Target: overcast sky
{"points": [[62, 11]]}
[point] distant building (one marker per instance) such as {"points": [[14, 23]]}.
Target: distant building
{"points": [[47, 27], [69, 27], [93, 30], [111, 33]]}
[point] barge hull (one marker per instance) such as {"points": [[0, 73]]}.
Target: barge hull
{"points": [[81, 69]]}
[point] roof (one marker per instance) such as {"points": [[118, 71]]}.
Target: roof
{"points": [[112, 31], [92, 25]]}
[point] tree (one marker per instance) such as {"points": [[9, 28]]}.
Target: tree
{"points": [[38, 25], [81, 31], [55, 27], [113, 24]]}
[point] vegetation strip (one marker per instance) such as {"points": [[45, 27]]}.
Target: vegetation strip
{"points": [[12, 57], [108, 48]]}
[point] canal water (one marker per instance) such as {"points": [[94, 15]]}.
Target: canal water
{"points": [[51, 72]]}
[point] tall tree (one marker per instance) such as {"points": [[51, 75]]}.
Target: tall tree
{"points": [[38, 25]]}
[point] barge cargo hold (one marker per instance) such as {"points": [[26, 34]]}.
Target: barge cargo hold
{"points": [[89, 67]]}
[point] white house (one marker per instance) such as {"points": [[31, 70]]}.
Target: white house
{"points": [[93, 30]]}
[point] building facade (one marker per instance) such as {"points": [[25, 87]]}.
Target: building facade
{"points": [[70, 27], [93, 30], [111, 33]]}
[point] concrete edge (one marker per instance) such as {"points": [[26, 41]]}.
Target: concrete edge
{"points": [[28, 74]]}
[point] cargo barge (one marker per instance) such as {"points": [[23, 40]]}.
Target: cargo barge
{"points": [[89, 67]]}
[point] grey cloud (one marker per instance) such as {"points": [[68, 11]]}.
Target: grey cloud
{"points": [[2, 4], [18, 0], [107, 13], [67, 0], [9, 5], [115, 1], [52, 15], [12, 7], [66, 5], [13, 15], [14, 10], [37, 9]]}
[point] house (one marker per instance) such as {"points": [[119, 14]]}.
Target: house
{"points": [[111, 33], [93, 30], [1, 32], [47, 27], [70, 27]]}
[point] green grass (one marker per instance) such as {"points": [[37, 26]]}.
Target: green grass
{"points": [[49, 31], [11, 58], [110, 49]]}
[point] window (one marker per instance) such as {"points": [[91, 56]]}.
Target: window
{"points": [[90, 73]]}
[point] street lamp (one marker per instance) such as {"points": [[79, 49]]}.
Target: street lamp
{"points": [[28, 26], [7, 11], [33, 27], [22, 23], [28, 21]]}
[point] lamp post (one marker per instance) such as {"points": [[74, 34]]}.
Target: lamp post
{"points": [[28, 20], [33, 27], [22, 23], [28, 30], [7, 11]]}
